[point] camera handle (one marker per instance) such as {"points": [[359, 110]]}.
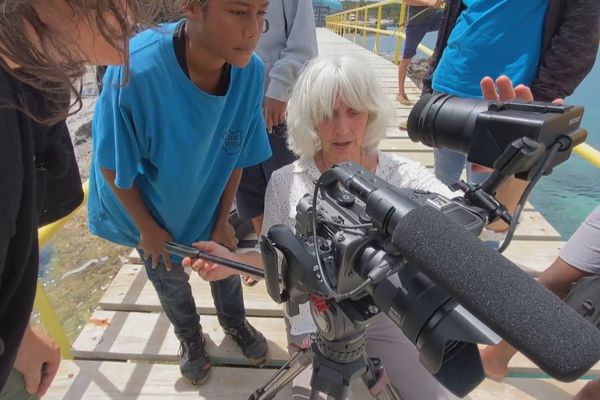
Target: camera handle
{"points": [[329, 377], [521, 155]]}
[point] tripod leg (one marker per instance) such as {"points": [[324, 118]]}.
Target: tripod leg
{"points": [[377, 381], [283, 376]]}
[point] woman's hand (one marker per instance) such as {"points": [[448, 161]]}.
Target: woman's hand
{"points": [[152, 240], [208, 270], [224, 233], [38, 359]]}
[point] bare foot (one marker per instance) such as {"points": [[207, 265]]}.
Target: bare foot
{"points": [[248, 280], [495, 364], [591, 391], [403, 99]]}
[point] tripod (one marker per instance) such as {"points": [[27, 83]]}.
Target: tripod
{"points": [[338, 356]]}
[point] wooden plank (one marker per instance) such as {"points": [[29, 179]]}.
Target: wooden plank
{"points": [[131, 290], [533, 256], [118, 380], [424, 158], [533, 226], [115, 335], [520, 364], [526, 389], [403, 144]]}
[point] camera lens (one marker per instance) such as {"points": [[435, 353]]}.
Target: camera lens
{"points": [[441, 120]]}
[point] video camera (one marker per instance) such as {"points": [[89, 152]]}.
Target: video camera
{"points": [[367, 247]]}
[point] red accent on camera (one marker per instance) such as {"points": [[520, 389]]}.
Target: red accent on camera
{"points": [[319, 303]]}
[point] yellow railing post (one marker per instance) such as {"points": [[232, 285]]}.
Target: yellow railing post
{"points": [[365, 21], [376, 46], [42, 303], [401, 21], [589, 154], [51, 322], [355, 25]]}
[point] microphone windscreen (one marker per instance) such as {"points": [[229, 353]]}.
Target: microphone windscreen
{"points": [[500, 294]]}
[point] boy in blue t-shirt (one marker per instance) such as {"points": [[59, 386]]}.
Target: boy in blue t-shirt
{"points": [[169, 147]]}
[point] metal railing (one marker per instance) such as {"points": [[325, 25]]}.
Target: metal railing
{"points": [[357, 19], [347, 21]]}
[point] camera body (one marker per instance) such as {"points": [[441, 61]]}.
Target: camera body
{"points": [[369, 275], [483, 129]]}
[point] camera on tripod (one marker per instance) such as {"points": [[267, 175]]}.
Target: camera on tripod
{"points": [[349, 259]]}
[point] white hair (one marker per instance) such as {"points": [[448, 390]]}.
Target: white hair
{"points": [[324, 81]]}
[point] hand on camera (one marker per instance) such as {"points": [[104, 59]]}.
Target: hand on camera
{"points": [[224, 233], [208, 270], [38, 359], [501, 90], [152, 240]]}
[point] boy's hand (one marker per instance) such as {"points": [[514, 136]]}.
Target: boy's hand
{"points": [[224, 233], [208, 270], [501, 90], [274, 113], [152, 241], [38, 359]]}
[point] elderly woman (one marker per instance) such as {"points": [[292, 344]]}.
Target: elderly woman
{"points": [[338, 112]]}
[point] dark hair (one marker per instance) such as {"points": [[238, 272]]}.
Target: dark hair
{"points": [[47, 64]]}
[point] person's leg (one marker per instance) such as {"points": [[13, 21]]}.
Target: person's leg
{"points": [[229, 301], [175, 296], [250, 197], [400, 358], [591, 391], [414, 35], [14, 388], [448, 165], [402, 70], [475, 176]]}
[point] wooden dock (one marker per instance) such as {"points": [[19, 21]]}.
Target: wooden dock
{"points": [[128, 350]]}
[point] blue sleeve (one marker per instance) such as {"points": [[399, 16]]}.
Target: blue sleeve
{"points": [[256, 147], [117, 145]]}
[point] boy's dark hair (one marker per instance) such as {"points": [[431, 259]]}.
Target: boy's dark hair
{"points": [[49, 65]]}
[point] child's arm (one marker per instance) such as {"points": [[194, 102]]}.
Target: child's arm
{"points": [[152, 235], [223, 232]]}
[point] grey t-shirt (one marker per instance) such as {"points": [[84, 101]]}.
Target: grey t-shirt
{"points": [[582, 251]]}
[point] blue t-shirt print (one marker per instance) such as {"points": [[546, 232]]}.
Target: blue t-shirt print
{"points": [[175, 143], [232, 141]]}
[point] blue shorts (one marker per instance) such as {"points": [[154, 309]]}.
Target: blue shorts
{"points": [[416, 32]]}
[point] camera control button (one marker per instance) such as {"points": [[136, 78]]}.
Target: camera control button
{"points": [[345, 200]]}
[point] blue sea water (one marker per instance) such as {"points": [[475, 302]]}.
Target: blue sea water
{"points": [[572, 191]]}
